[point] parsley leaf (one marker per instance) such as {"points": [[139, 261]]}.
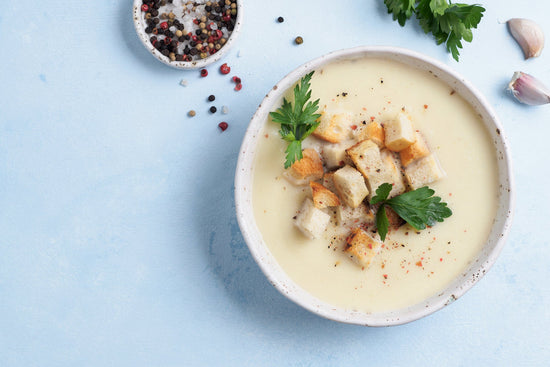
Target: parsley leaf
{"points": [[419, 208], [298, 121], [382, 222], [449, 23]]}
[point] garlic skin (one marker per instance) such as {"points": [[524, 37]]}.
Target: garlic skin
{"points": [[529, 36], [529, 90]]}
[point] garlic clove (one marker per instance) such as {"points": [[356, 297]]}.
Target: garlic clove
{"points": [[529, 90], [528, 34]]}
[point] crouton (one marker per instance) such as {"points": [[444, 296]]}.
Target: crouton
{"points": [[333, 127], [419, 149], [361, 247], [309, 168], [392, 173], [311, 221], [399, 132], [323, 197], [350, 186], [394, 220], [373, 131], [423, 172], [362, 216], [328, 181], [366, 157], [334, 155], [368, 160]]}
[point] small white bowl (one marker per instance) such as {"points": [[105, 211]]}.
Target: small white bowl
{"points": [[280, 280], [139, 24]]}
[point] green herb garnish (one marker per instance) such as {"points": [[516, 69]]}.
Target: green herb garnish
{"points": [[449, 23], [419, 208], [298, 121]]}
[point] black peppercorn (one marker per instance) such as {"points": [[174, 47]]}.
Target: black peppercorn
{"points": [[280, 19], [213, 109], [211, 98]]}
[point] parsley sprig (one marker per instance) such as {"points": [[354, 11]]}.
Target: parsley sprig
{"points": [[418, 208], [449, 23], [298, 121]]}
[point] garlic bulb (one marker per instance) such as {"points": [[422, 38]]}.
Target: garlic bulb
{"points": [[528, 34], [528, 90]]}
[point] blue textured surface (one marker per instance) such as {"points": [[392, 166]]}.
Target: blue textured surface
{"points": [[119, 243]]}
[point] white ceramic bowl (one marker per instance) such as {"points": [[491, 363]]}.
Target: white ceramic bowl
{"points": [[139, 25], [280, 280]]}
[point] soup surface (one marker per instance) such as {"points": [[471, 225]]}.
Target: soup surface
{"points": [[412, 265]]}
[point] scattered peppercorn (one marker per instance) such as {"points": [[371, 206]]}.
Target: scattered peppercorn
{"points": [[238, 87], [225, 69], [211, 98], [204, 73], [192, 113], [280, 19], [223, 125], [213, 109], [236, 79], [298, 40]]}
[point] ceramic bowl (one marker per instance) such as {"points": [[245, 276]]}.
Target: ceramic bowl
{"points": [[139, 24], [280, 280]]}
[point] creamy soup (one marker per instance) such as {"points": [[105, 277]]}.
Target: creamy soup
{"points": [[412, 265]]}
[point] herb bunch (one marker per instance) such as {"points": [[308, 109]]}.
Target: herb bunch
{"points": [[298, 121], [449, 23], [419, 208]]}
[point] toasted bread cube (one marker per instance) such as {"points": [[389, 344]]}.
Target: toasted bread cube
{"points": [[423, 172], [328, 181], [309, 168], [334, 155], [366, 157], [368, 160], [418, 150], [350, 186], [323, 197], [333, 127], [361, 247], [393, 173], [394, 220], [311, 221], [373, 131], [399, 132], [356, 217]]}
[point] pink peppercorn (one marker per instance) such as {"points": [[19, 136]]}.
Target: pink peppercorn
{"points": [[164, 25], [224, 69], [204, 72], [144, 7], [223, 125], [238, 87]]}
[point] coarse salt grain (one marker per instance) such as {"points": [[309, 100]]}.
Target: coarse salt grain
{"points": [[184, 83], [225, 110]]}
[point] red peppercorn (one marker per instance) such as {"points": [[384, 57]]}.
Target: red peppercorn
{"points": [[204, 72], [223, 125], [164, 25], [194, 38], [167, 40], [224, 69], [238, 87], [144, 7], [226, 18], [237, 80], [196, 21], [219, 34]]}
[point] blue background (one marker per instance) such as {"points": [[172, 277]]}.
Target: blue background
{"points": [[119, 244]]}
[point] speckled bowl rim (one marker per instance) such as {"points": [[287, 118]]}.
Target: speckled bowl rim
{"points": [[478, 267], [196, 64]]}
